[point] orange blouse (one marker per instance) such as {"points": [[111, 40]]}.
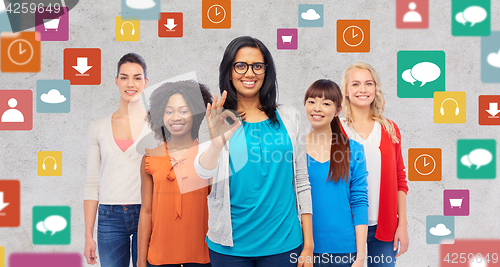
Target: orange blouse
{"points": [[179, 210]]}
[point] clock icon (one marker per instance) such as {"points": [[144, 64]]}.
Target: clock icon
{"points": [[216, 14], [425, 164], [353, 36], [20, 52]]}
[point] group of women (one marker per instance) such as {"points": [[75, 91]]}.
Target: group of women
{"points": [[246, 197]]}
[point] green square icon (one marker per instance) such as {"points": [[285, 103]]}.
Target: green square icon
{"points": [[476, 159], [420, 73], [470, 17], [51, 225]]}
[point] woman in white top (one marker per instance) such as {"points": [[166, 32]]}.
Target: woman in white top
{"points": [[113, 187]]}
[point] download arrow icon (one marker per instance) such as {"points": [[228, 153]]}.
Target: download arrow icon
{"points": [[493, 111], [170, 24], [2, 204], [81, 66]]}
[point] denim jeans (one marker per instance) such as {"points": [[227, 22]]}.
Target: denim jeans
{"points": [[380, 253], [117, 234], [287, 259], [178, 265], [334, 259]]}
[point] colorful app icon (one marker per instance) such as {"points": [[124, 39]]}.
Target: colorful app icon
{"points": [[52, 24], [2, 256], [20, 52], [412, 14], [476, 159], [127, 30], [311, 15], [440, 229], [287, 39], [16, 110], [450, 107], [420, 73], [216, 14], [424, 164], [470, 252], [49, 163], [170, 24], [143, 9], [489, 112], [10, 203], [45, 259], [53, 96], [353, 36], [82, 66], [456, 202], [51, 225], [490, 58], [470, 18]]}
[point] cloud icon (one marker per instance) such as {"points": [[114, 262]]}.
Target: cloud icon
{"points": [[440, 230], [141, 4], [310, 15], [494, 59], [53, 97]]}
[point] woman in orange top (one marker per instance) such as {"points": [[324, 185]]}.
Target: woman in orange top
{"points": [[174, 216]]}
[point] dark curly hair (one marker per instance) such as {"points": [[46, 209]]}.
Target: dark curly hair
{"points": [[196, 95]]}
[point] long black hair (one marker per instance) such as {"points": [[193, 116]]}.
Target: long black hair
{"points": [[269, 90]]}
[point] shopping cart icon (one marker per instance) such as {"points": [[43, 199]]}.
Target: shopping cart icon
{"points": [[51, 24], [287, 38], [456, 202]]}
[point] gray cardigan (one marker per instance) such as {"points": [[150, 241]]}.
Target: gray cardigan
{"points": [[219, 206]]}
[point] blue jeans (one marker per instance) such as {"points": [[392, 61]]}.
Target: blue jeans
{"points": [[117, 234], [178, 265], [334, 259], [287, 259], [380, 253]]}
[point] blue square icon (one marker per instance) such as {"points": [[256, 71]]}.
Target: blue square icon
{"points": [[144, 9], [490, 58], [53, 96], [310, 15], [440, 229]]}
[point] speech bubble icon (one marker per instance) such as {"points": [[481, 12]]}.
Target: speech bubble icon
{"points": [[55, 223], [475, 14], [407, 76], [480, 157], [40, 227], [425, 72], [460, 18], [465, 161]]}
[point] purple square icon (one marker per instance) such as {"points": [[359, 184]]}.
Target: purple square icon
{"points": [[456, 203], [287, 39], [45, 260], [52, 23]]}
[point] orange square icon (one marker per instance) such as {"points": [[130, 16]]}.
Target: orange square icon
{"points": [[82, 66], [10, 203], [353, 36], [20, 52], [170, 24], [216, 14], [424, 164]]}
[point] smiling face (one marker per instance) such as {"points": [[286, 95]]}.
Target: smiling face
{"points": [[131, 81], [248, 84], [361, 88], [320, 111], [178, 117]]}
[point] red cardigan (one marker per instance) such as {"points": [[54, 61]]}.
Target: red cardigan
{"points": [[392, 180]]}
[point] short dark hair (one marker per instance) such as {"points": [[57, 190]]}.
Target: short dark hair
{"points": [[269, 90], [196, 95], [132, 58]]}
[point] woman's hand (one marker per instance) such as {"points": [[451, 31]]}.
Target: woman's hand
{"points": [[401, 236], [220, 132], [89, 251], [306, 258]]}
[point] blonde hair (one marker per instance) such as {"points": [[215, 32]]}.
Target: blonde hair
{"points": [[377, 107]]}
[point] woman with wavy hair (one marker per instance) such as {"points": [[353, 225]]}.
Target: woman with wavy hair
{"points": [[363, 107]]}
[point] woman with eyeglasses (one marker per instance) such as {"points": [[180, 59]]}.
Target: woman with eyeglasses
{"points": [[260, 204]]}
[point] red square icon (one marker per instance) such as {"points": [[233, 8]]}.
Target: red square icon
{"points": [[16, 110], [10, 203], [82, 66], [470, 252], [412, 14], [489, 113], [170, 24]]}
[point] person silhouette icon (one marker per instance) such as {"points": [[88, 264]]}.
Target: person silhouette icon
{"points": [[412, 15], [12, 114]]}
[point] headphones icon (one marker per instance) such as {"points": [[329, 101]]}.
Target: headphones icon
{"points": [[55, 162], [442, 109], [133, 27]]}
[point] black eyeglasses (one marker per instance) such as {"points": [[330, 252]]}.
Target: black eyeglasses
{"points": [[242, 67]]}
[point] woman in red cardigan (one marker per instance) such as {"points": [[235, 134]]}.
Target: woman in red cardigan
{"points": [[363, 106]]}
